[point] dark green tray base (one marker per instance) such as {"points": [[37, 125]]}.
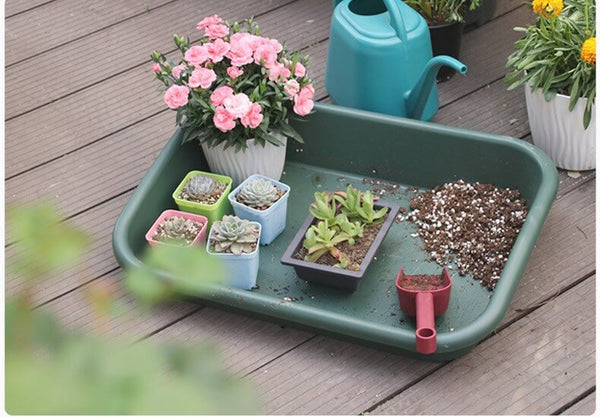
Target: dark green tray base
{"points": [[376, 152]]}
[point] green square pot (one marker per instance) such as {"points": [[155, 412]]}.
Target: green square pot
{"points": [[212, 212]]}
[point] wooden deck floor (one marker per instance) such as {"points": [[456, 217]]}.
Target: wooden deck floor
{"points": [[84, 121]]}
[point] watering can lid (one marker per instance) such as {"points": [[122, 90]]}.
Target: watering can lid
{"points": [[379, 25]]}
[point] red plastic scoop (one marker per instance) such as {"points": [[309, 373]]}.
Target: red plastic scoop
{"points": [[424, 296]]}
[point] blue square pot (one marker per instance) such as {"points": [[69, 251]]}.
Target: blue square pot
{"points": [[272, 219]]}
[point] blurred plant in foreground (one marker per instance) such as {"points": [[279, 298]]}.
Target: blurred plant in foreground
{"points": [[49, 370]]}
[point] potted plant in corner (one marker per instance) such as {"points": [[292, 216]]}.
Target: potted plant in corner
{"points": [[203, 193], [234, 91], [263, 200], [339, 238], [235, 242], [446, 21], [556, 62], [177, 228]]}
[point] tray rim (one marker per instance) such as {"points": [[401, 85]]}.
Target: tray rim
{"points": [[386, 336]]}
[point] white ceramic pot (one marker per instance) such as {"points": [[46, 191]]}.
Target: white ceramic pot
{"points": [[559, 132], [267, 160]]}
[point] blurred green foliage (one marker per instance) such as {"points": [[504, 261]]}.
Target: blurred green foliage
{"points": [[49, 370]]}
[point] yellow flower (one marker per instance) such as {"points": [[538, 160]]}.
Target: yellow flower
{"points": [[547, 8], [588, 51]]}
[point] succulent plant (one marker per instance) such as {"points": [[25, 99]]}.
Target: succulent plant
{"points": [[177, 230], [234, 235], [258, 193], [323, 208], [359, 205], [320, 239], [351, 229], [202, 188]]}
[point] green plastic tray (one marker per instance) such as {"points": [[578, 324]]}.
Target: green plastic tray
{"points": [[394, 157]]}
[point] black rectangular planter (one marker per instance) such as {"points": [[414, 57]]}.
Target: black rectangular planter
{"points": [[329, 275]]}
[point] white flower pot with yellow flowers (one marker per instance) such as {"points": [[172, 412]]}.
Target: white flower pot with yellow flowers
{"points": [[556, 62]]}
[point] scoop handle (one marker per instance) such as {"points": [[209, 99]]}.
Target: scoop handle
{"points": [[426, 334]]}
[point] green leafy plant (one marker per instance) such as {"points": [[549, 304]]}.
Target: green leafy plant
{"points": [[52, 371], [438, 12], [557, 54], [258, 193], [234, 235], [343, 216], [321, 239], [323, 207]]}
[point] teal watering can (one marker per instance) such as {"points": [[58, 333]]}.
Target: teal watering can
{"points": [[380, 59]]}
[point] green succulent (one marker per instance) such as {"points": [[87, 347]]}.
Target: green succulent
{"points": [[349, 201], [258, 193], [323, 208], [234, 235], [320, 239], [200, 185], [177, 230], [367, 212], [350, 229]]}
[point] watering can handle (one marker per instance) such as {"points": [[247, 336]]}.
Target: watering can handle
{"points": [[396, 19]]}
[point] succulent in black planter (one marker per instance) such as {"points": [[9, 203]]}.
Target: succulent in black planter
{"points": [[338, 240]]}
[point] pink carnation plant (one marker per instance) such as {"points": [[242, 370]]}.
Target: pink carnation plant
{"points": [[234, 85]]}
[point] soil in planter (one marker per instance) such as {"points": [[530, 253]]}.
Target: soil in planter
{"points": [[280, 194], [188, 237], [476, 223], [207, 199], [356, 253], [422, 282]]}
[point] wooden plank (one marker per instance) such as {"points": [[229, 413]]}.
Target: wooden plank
{"points": [[328, 376], [98, 59], [14, 7], [532, 367], [98, 172], [29, 34], [246, 343], [492, 109], [131, 321], [484, 51], [584, 407], [99, 260]]}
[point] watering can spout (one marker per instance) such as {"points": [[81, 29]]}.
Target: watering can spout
{"points": [[417, 97]]}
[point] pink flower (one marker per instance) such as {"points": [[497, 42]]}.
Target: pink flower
{"points": [[234, 72], [207, 21], [220, 94], [276, 45], [202, 77], [266, 53], [156, 68], [253, 117], [252, 41], [216, 31], [239, 54], [176, 71], [223, 120], [299, 70], [278, 70], [176, 96], [303, 102], [238, 105], [291, 87], [217, 50], [196, 55]]}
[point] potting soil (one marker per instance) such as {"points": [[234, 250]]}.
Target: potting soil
{"points": [[476, 223]]}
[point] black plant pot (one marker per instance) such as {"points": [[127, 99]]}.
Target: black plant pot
{"points": [[329, 275], [482, 14], [446, 40]]}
